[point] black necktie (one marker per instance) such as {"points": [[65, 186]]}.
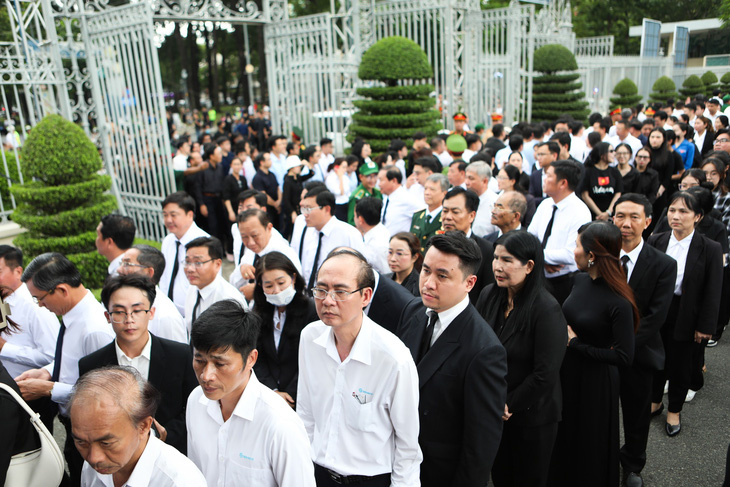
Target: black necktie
{"points": [[301, 243], [625, 264], [549, 228], [255, 260], [175, 268], [427, 335], [195, 308], [314, 264], [57, 356], [240, 255], [385, 209]]}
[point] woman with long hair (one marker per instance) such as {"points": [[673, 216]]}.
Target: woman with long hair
{"points": [[285, 309], [530, 324], [509, 179], [704, 135], [716, 171], [602, 184], [405, 259], [647, 182], [516, 160], [629, 174], [602, 319], [338, 183]]}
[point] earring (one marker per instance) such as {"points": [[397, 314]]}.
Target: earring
{"points": [[590, 263]]}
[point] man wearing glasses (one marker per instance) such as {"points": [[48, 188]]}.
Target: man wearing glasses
{"points": [[203, 261], [722, 141], [507, 214], [166, 364], [358, 385]]}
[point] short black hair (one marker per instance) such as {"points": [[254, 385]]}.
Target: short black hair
{"points": [[419, 136], [308, 152], [259, 196], [638, 199], [460, 164], [323, 197], [221, 140], [260, 215], [214, 246], [208, 149], [458, 244], [226, 325], [120, 229], [239, 147], [552, 146], [575, 127], [49, 270], [12, 256], [181, 142], [497, 129], [571, 171], [181, 199], [392, 172], [396, 145], [369, 209], [594, 118], [151, 257], [430, 163], [563, 139], [324, 141], [606, 123], [471, 138], [635, 124], [538, 131], [661, 115], [471, 198], [515, 142], [137, 281]]}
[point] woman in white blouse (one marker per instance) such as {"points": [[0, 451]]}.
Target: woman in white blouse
{"points": [[338, 183]]}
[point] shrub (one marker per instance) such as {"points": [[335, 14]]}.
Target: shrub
{"points": [[709, 79], [662, 90], [557, 94], [394, 111], [13, 174], [725, 83], [63, 206], [692, 86], [627, 94]]}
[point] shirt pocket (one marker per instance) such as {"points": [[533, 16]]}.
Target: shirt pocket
{"points": [[245, 472], [360, 417]]}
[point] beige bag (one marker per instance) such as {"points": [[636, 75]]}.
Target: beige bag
{"points": [[38, 468]]}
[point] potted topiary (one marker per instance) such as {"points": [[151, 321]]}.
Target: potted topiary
{"points": [[692, 86], [64, 197], [555, 92], [627, 94], [709, 79], [725, 83], [396, 109], [662, 90]]}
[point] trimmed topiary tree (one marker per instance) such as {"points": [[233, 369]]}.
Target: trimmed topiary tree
{"points": [[395, 110], [66, 198], [725, 83], [555, 92], [627, 94], [692, 86], [662, 90], [709, 79]]}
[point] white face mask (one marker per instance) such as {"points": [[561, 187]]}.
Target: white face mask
{"points": [[283, 298]]}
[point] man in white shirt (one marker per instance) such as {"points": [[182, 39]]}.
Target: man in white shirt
{"points": [[438, 147], [507, 213], [478, 175], [358, 385], [148, 261], [712, 109], [457, 173], [322, 233], [114, 235], [116, 406], [516, 144], [624, 137], [375, 235], [327, 156], [578, 147], [473, 145], [398, 206], [180, 161], [278, 158], [401, 150], [556, 223], [423, 168], [178, 213], [203, 262], [55, 283], [240, 432], [259, 238]]}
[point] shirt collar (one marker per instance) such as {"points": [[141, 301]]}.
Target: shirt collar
{"points": [[146, 351], [329, 226], [142, 474], [360, 349], [208, 290], [20, 293], [634, 254], [447, 316], [189, 235], [684, 243], [565, 202], [78, 311], [115, 263], [246, 403], [434, 213]]}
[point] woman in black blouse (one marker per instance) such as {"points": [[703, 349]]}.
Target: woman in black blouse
{"points": [[602, 319], [629, 174], [405, 259], [233, 185], [602, 184], [647, 182], [530, 324]]}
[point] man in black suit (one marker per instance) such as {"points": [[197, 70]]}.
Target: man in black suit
{"points": [[458, 211], [545, 153], [166, 364], [388, 302], [651, 274], [462, 368]]}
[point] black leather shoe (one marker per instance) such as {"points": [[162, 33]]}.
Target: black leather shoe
{"points": [[673, 429], [634, 479], [658, 411]]}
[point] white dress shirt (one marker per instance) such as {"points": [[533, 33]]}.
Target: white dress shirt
{"points": [[528, 155], [168, 251], [482, 224], [87, 330], [361, 414], [277, 243], [180, 162], [578, 148], [336, 234], [168, 322], [678, 250], [699, 140], [277, 167], [324, 163], [400, 209], [34, 345], [279, 322], [333, 185], [218, 290], [262, 444], [633, 257], [445, 318], [572, 213], [160, 465], [377, 241], [141, 363], [445, 158], [114, 265], [237, 241]]}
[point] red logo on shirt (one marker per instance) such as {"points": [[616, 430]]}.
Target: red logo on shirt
{"points": [[604, 181]]}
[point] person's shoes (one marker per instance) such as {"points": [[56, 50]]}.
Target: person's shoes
{"points": [[690, 395], [634, 479], [673, 429], [711, 343], [658, 411], [666, 387]]}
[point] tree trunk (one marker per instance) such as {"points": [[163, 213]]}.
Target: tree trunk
{"points": [[194, 72], [242, 88], [263, 76], [223, 78]]}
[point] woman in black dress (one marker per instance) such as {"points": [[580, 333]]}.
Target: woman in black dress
{"points": [[602, 319], [233, 185], [629, 174], [602, 184], [285, 309], [530, 324], [405, 259], [647, 182]]}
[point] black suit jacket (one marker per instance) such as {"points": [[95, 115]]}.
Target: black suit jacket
{"points": [[388, 303], [462, 395], [485, 275], [492, 237], [701, 286], [536, 186], [708, 144], [171, 372], [653, 281]]}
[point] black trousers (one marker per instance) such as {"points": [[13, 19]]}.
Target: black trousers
{"points": [[560, 287], [697, 379], [217, 217], [73, 458], [677, 366], [635, 393], [323, 479], [523, 458]]}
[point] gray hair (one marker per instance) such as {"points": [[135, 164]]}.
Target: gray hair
{"points": [[481, 169], [516, 202], [441, 179]]}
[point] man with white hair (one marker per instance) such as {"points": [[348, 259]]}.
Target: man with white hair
{"points": [[478, 175]]}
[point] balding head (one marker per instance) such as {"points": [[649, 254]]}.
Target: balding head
{"points": [[508, 210]]}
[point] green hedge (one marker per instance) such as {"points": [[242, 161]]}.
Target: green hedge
{"points": [[554, 78], [662, 90], [394, 58], [557, 97], [397, 120], [709, 79], [552, 58], [92, 266], [725, 83], [394, 106], [396, 92], [52, 197], [391, 133], [82, 219], [37, 244], [627, 94], [692, 86]]}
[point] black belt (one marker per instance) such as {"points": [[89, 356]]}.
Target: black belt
{"points": [[213, 195], [349, 479]]}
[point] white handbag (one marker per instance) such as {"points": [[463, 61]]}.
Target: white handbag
{"points": [[38, 468]]}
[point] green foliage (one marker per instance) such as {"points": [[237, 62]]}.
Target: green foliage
{"points": [[627, 94], [394, 58], [392, 133], [13, 173], [35, 244], [552, 58], [662, 90], [396, 92], [709, 79], [725, 83], [47, 198], [692, 86], [83, 219], [399, 120], [92, 266], [394, 106]]}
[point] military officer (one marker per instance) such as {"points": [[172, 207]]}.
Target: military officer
{"points": [[459, 124], [426, 223], [368, 174]]}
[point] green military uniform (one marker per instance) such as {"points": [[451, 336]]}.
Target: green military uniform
{"points": [[422, 229], [360, 193]]}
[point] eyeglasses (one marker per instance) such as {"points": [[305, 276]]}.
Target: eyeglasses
{"points": [[642, 157], [40, 300], [399, 254], [721, 140], [121, 316], [337, 295], [306, 210], [197, 264], [623, 154], [129, 264]]}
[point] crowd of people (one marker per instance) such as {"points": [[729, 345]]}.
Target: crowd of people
{"points": [[417, 318]]}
